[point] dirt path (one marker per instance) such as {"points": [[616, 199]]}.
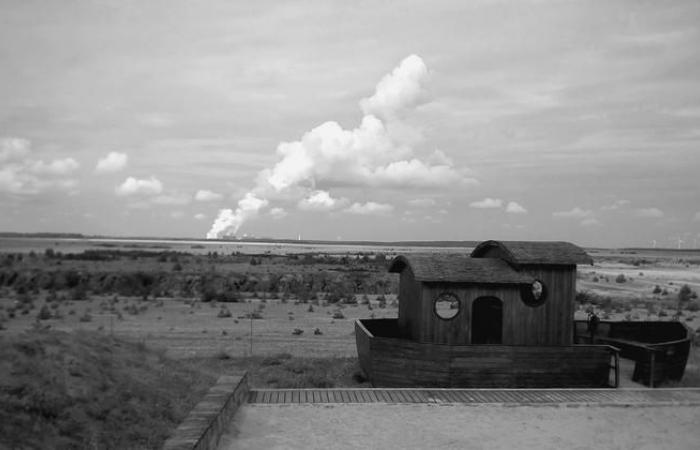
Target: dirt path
{"points": [[462, 426]]}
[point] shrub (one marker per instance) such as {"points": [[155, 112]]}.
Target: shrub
{"points": [[657, 289], [297, 331], [685, 293], [224, 312], [44, 313], [86, 317], [338, 315], [620, 278], [276, 360]]}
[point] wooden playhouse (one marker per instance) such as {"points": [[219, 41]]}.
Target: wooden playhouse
{"points": [[501, 317]]}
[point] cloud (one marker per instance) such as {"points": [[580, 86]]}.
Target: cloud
{"points": [[369, 155], [319, 201], [204, 195], [575, 213], [230, 220], [172, 199], [649, 213], [113, 162], [487, 203], [422, 202], [515, 208], [697, 216], [177, 214], [398, 91], [56, 167], [379, 153], [369, 208], [617, 204], [200, 216], [134, 186], [590, 222], [13, 149], [22, 175], [278, 213]]}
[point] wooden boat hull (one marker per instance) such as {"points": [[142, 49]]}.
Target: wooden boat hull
{"points": [[390, 360], [660, 349]]}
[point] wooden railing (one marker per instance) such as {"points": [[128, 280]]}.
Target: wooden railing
{"points": [[396, 362], [660, 349]]}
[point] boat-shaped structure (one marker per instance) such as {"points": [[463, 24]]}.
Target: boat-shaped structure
{"points": [[500, 317], [659, 349]]}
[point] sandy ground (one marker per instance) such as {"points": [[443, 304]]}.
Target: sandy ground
{"points": [[460, 426]]}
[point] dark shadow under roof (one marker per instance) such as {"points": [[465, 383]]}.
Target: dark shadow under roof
{"points": [[529, 252], [459, 268]]}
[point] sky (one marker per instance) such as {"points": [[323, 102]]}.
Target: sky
{"points": [[366, 120]]}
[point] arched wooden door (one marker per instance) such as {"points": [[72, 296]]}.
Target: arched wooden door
{"points": [[487, 321]]}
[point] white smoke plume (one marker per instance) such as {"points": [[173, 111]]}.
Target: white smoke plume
{"points": [[230, 220], [377, 153]]}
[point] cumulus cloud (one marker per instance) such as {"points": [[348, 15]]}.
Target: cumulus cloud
{"points": [[228, 219], [134, 186], [398, 91], [487, 203], [319, 201], [200, 216], [617, 204], [113, 162], [649, 213], [380, 152], [21, 174], [515, 208], [369, 208], [278, 213], [204, 195], [575, 213]]}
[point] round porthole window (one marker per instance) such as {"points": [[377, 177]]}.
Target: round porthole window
{"points": [[534, 294], [447, 305]]}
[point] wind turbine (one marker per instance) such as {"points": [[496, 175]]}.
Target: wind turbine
{"points": [[680, 241], [653, 243]]}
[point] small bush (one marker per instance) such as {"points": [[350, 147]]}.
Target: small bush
{"points": [[338, 315], [620, 278], [276, 360], [44, 313], [224, 312], [297, 331]]}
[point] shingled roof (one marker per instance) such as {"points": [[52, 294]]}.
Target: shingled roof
{"points": [[459, 268], [524, 252]]}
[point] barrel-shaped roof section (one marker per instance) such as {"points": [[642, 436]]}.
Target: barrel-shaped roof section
{"points": [[532, 252], [459, 268]]}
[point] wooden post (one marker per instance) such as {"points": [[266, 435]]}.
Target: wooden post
{"points": [[651, 368], [617, 369]]}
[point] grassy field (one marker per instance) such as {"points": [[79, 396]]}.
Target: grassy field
{"points": [[128, 317], [87, 390]]}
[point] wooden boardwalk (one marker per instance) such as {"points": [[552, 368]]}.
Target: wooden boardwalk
{"points": [[479, 396]]}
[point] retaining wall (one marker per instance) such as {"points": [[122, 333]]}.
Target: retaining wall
{"points": [[203, 427]]}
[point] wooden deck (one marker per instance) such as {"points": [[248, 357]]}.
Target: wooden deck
{"points": [[479, 396]]}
